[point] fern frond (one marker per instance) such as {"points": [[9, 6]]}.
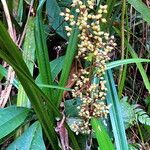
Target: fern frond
{"points": [[142, 116]]}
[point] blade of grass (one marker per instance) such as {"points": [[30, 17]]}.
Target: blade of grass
{"points": [[71, 50], [42, 51], [54, 87], [141, 8], [28, 55], [125, 61], [20, 11], [115, 114], [102, 137], [139, 65], [112, 98]]}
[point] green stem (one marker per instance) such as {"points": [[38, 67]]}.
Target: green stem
{"points": [[124, 73], [140, 133], [122, 39]]}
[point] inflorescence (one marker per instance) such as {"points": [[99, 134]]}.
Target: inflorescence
{"points": [[94, 46]]}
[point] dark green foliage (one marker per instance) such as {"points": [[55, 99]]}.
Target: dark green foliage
{"points": [[44, 81]]}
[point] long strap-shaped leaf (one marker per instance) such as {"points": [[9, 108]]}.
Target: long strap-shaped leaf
{"points": [[43, 62], [36, 96], [10, 53], [42, 51], [110, 65], [141, 8], [125, 61], [112, 98], [28, 56], [71, 50], [102, 137], [115, 114], [139, 65]]}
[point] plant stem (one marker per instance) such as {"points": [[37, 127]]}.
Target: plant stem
{"points": [[124, 72], [140, 133], [122, 39]]}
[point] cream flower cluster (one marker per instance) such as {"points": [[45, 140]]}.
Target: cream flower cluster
{"points": [[94, 46]]}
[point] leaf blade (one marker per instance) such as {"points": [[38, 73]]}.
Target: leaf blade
{"points": [[125, 61], [141, 8], [101, 135], [31, 139], [11, 118]]}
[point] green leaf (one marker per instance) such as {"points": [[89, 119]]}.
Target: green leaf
{"points": [[20, 11], [55, 19], [125, 61], [102, 137], [141, 8], [71, 50], [115, 114], [28, 56], [39, 100], [29, 45], [11, 118], [56, 66], [3, 72], [42, 52], [139, 65], [31, 139], [71, 107], [142, 116], [54, 87], [128, 113], [36, 96]]}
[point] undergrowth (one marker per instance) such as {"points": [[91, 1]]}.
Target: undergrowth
{"points": [[74, 74]]}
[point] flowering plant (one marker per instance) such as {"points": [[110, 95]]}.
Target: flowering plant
{"points": [[94, 46]]}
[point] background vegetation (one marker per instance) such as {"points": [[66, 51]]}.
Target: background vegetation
{"points": [[36, 67]]}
